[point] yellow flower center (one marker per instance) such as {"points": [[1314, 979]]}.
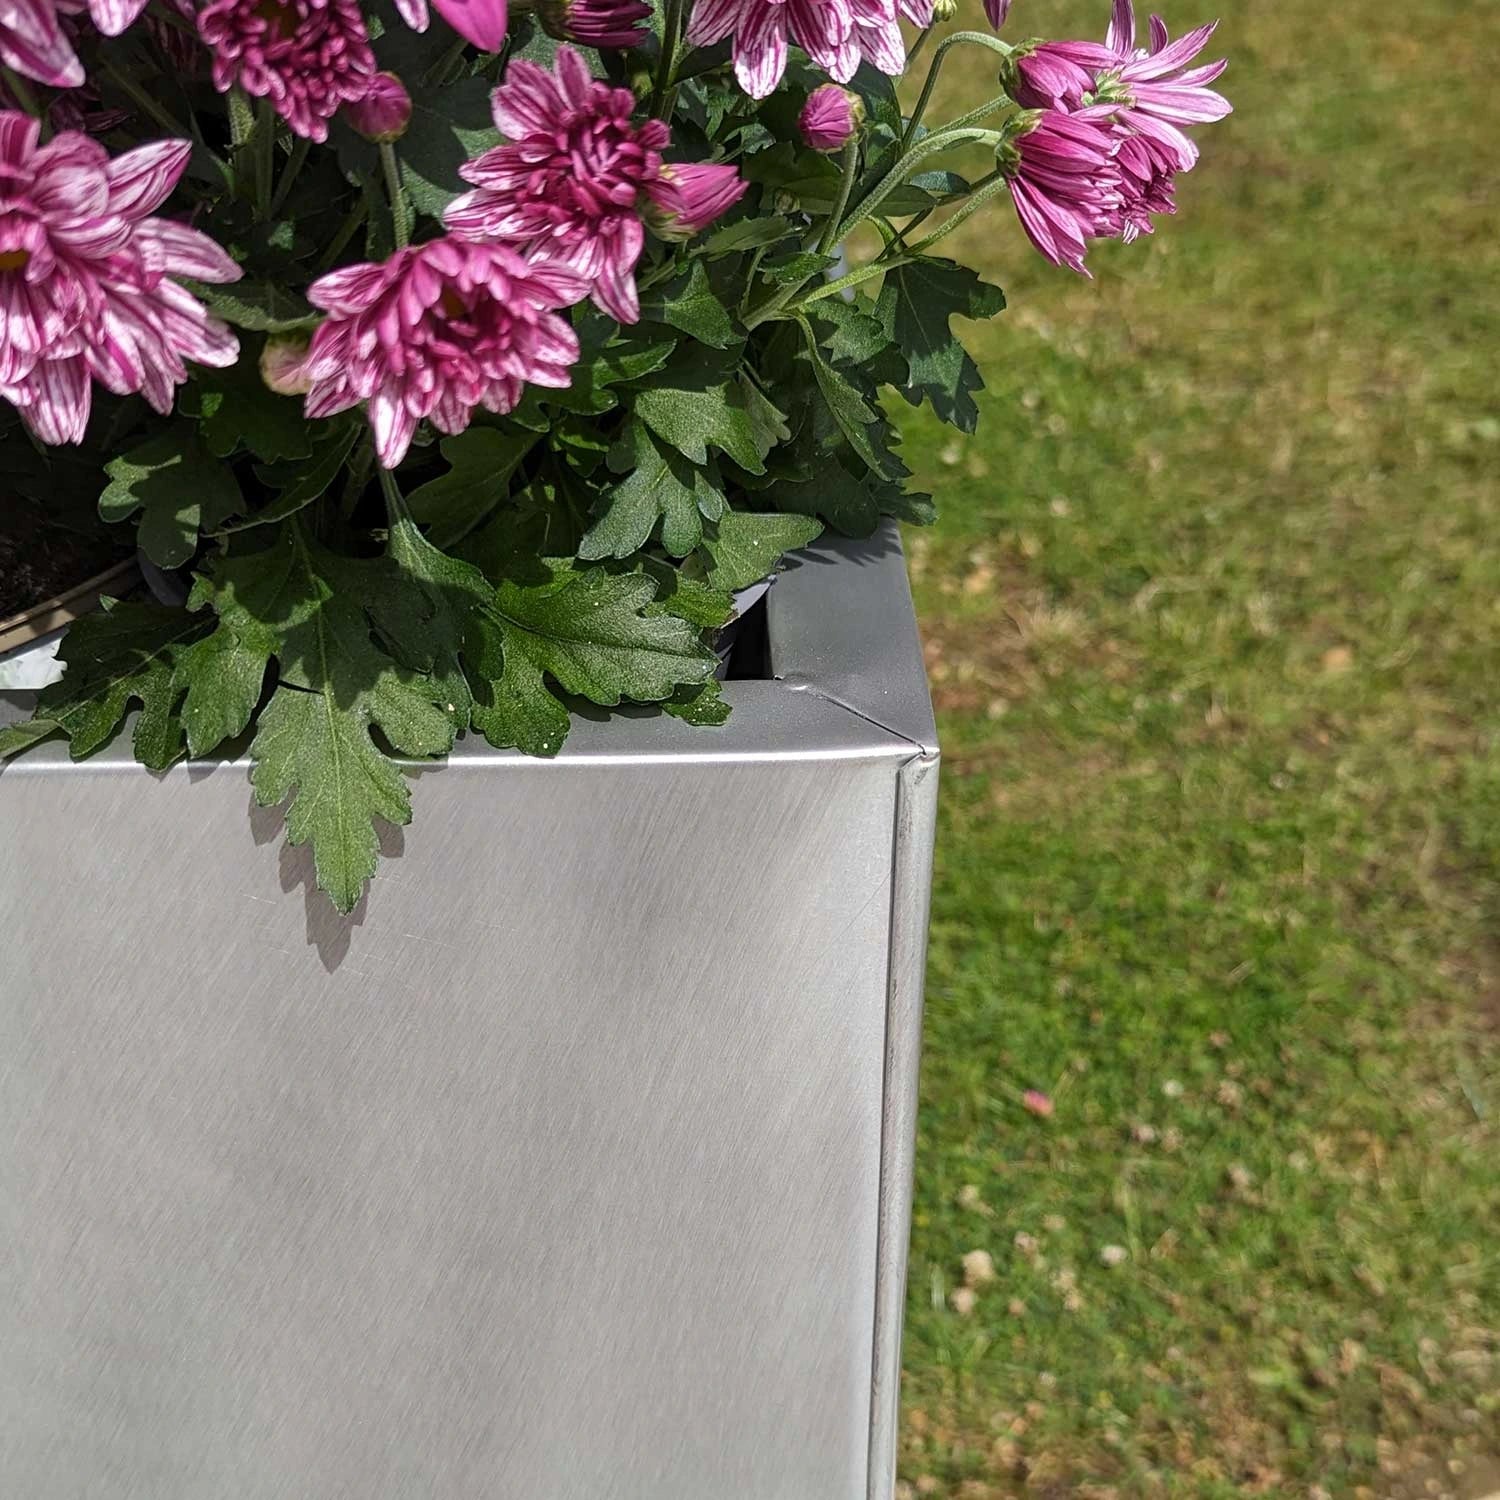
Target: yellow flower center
{"points": [[14, 260]]}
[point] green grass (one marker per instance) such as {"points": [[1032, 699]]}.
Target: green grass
{"points": [[1213, 622]]}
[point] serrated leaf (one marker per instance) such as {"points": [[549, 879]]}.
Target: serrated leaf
{"points": [[118, 655], [237, 409], [690, 303], [915, 305], [591, 632], [313, 741], [794, 269], [702, 707], [859, 423], [481, 462], [692, 418], [260, 307], [448, 127], [661, 485], [768, 425], [745, 547], [178, 488]]}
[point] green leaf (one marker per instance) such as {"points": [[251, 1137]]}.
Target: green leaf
{"points": [[690, 417], [857, 421], [448, 127], [118, 655], [237, 409], [689, 303], [591, 632], [851, 505], [916, 302], [702, 707], [767, 421], [481, 462], [748, 234], [178, 488], [795, 268], [661, 485], [313, 741], [300, 483], [745, 547], [261, 307]]}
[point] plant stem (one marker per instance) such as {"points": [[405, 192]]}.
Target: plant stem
{"points": [[920, 43], [929, 145], [289, 174], [20, 91], [359, 476], [265, 157], [985, 189], [971, 38], [392, 169], [395, 502], [846, 186], [143, 101], [864, 273], [663, 94], [352, 221]]}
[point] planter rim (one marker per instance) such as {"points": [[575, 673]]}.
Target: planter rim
{"points": [[61, 609], [848, 680]]}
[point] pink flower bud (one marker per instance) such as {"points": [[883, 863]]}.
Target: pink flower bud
{"points": [[384, 112], [283, 364], [997, 11], [595, 23], [688, 196], [831, 118]]}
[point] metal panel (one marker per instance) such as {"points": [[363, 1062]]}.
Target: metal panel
{"points": [[574, 1163]]}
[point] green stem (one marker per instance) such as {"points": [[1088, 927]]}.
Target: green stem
{"points": [[359, 476], [854, 278], [850, 163], [142, 100], [920, 43], [346, 232], [392, 169], [241, 117], [959, 38], [289, 173], [929, 145], [265, 157], [663, 94], [750, 275], [983, 190], [395, 502], [21, 92]]}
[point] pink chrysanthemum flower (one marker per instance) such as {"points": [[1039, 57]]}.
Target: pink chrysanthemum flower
{"points": [[762, 29], [482, 23], [575, 177], [1064, 182], [86, 288], [307, 56], [435, 331]]}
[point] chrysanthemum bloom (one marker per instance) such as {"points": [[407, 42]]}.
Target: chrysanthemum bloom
{"points": [[435, 331], [688, 196], [307, 56], [831, 118], [762, 29], [86, 288], [479, 22], [384, 112], [595, 23], [575, 177], [32, 44], [1156, 90], [1147, 186], [1064, 182]]}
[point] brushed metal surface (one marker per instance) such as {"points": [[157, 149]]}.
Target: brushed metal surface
{"points": [[575, 1163]]}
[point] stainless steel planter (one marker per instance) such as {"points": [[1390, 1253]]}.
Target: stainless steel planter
{"points": [[575, 1164]]}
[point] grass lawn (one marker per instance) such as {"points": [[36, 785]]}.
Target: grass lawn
{"points": [[1213, 622]]}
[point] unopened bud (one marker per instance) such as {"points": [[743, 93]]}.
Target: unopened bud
{"points": [[943, 11], [384, 112], [283, 364], [831, 118]]}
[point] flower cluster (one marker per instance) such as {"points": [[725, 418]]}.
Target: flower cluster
{"points": [[87, 288], [1099, 153]]}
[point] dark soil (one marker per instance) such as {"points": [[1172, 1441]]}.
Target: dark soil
{"points": [[39, 559]]}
